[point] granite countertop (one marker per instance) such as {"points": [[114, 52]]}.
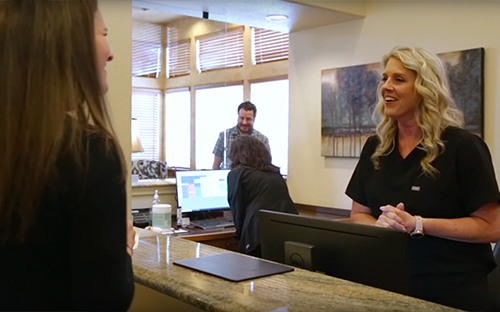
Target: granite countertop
{"points": [[154, 182], [299, 290]]}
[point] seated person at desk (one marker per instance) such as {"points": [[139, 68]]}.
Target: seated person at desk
{"points": [[425, 175], [254, 183], [247, 112]]}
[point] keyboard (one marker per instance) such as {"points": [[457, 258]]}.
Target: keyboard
{"points": [[213, 223]]}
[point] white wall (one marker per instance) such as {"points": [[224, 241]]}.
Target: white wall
{"points": [[118, 18], [439, 26]]}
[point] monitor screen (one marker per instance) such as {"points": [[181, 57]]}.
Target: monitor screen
{"points": [[364, 254], [202, 190]]}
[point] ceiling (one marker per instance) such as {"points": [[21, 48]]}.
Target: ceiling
{"points": [[302, 14]]}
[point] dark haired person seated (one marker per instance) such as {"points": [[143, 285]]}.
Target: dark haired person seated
{"points": [[254, 183]]}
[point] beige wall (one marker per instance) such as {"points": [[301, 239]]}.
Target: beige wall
{"points": [[439, 26], [313, 179], [118, 17]]}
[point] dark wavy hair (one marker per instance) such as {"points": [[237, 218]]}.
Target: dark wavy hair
{"points": [[248, 151]]}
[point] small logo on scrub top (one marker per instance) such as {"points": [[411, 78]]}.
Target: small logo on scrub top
{"points": [[415, 188]]}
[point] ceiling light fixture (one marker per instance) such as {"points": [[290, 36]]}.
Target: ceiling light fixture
{"points": [[276, 17]]}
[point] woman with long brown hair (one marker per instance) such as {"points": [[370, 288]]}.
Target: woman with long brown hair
{"points": [[63, 239], [254, 183]]}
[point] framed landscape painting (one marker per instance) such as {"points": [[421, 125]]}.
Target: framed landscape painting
{"points": [[348, 95]]}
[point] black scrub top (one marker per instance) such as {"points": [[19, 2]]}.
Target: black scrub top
{"points": [[465, 182], [250, 190]]}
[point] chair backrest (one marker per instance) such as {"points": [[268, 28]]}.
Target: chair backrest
{"points": [[149, 169]]}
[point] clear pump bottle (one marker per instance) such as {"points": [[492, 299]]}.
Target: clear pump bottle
{"points": [[156, 200]]}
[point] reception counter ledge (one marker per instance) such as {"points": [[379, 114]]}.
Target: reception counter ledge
{"points": [[161, 285]]}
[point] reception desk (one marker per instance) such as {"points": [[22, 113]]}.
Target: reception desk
{"points": [[163, 286]]}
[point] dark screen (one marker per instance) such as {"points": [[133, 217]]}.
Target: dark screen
{"points": [[360, 253]]}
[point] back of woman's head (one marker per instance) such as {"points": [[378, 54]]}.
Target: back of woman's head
{"points": [[48, 55], [49, 94], [248, 151], [49, 69]]}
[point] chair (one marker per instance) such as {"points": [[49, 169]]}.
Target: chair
{"points": [[494, 279], [149, 169]]}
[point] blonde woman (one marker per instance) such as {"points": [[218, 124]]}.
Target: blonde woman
{"points": [[63, 234], [423, 174]]}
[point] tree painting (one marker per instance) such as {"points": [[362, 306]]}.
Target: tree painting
{"points": [[348, 95]]}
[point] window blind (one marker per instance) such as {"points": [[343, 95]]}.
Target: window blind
{"points": [[178, 58], [146, 108], [268, 45], [146, 49], [220, 50]]}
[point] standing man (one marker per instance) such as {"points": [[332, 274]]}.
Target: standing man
{"points": [[246, 117]]}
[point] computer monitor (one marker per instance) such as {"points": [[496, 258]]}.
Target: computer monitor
{"points": [[360, 253], [202, 190]]}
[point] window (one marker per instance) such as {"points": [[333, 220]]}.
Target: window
{"points": [[181, 117], [178, 128], [146, 50], [271, 99], [146, 103], [220, 50], [216, 110], [268, 45], [178, 54], [146, 106]]}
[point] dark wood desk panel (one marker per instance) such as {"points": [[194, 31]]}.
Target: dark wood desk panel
{"points": [[323, 212], [222, 238]]}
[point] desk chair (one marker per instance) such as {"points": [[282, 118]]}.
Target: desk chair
{"points": [[494, 279], [149, 169]]}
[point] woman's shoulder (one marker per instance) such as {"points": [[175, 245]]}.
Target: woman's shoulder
{"points": [[242, 169], [373, 139], [456, 132], [463, 139], [103, 153], [248, 171], [236, 172], [94, 136], [459, 135], [371, 144], [240, 174]]}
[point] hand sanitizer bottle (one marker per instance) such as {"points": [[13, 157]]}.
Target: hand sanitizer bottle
{"points": [[161, 215], [156, 200]]}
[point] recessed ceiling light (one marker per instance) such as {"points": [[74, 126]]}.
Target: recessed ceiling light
{"points": [[276, 17]]}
